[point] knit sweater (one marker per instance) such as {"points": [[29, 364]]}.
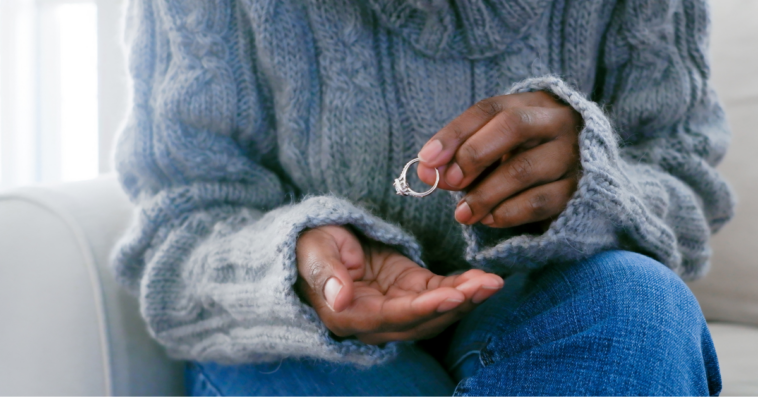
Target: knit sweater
{"points": [[253, 120]]}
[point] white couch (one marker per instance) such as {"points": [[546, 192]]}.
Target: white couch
{"points": [[68, 329]]}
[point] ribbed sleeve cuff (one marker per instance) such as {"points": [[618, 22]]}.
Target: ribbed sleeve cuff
{"points": [[606, 212], [237, 302]]}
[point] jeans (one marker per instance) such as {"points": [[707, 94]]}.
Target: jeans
{"points": [[618, 323]]}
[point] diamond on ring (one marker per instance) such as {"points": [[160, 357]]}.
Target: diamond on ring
{"points": [[401, 183]]}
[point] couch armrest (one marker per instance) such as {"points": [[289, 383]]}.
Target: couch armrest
{"points": [[67, 326], [728, 293]]}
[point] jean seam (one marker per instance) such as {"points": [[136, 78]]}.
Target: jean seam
{"points": [[463, 357], [203, 377]]}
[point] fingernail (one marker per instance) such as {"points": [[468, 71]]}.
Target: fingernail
{"points": [[488, 220], [463, 212], [454, 175], [491, 284], [331, 290], [485, 291], [430, 151], [448, 305]]}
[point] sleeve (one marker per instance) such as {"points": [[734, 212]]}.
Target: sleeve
{"points": [[211, 251], [648, 149]]}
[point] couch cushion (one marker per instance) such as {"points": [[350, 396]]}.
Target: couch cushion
{"points": [[69, 328], [730, 291], [46, 347], [737, 349]]}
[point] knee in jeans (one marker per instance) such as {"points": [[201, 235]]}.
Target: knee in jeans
{"points": [[616, 323], [637, 283]]}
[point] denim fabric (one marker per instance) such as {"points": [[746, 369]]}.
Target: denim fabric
{"points": [[618, 323], [412, 372]]}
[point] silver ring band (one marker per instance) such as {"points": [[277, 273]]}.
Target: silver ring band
{"points": [[401, 183]]}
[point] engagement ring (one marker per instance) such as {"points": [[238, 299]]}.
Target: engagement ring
{"points": [[401, 183]]}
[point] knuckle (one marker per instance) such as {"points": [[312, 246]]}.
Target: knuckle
{"points": [[539, 204], [468, 154], [512, 122], [507, 125], [315, 273], [524, 116], [521, 169], [489, 106], [456, 132]]}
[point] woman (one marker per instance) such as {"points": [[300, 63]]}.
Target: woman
{"points": [[270, 250]]}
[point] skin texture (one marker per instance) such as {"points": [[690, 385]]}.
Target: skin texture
{"points": [[369, 291], [516, 157]]}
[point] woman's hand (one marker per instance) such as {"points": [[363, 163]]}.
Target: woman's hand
{"points": [[372, 292], [516, 156]]}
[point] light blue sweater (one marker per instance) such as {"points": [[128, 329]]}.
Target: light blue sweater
{"points": [[255, 119]]}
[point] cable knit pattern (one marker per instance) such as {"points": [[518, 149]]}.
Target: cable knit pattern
{"points": [[253, 120], [228, 297], [469, 28]]}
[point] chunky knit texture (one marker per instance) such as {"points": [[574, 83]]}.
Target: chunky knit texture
{"points": [[253, 120]]}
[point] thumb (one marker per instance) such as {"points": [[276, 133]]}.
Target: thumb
{"points": [[320, 265]]}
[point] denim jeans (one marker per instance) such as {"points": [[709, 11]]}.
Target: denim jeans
{"points": [[618, 323]]}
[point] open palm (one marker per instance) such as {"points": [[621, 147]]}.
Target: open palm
{"points": [[374, 293]]}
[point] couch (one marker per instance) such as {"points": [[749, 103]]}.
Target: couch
{"points": [[68, 329]]}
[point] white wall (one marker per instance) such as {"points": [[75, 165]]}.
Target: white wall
{"points": [[50, 52], [112, 84]]}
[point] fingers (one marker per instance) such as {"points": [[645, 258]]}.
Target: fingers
{"points": [[449, 138], [480, 287], [409, 310], [521, 172], [442, 146], [484, 135], [324, 256], [387, 294], [372, 312], [476, 285], [513, 129], [377, 313], [534, 205]]}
